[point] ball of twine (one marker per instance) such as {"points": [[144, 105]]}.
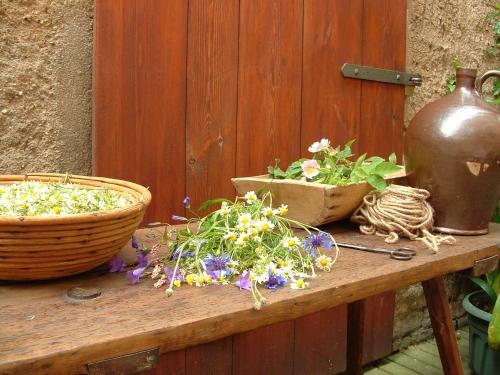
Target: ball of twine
{"points": [[399, 211]]}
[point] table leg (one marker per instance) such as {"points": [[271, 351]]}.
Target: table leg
{"points": [[355, 336], [439, 311]]}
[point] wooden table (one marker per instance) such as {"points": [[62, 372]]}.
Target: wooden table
{"points": [[45, 332]]}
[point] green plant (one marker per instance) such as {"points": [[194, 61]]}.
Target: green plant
{"points": [[451, 83], [491, 286], [494, 17], [333, 166]]}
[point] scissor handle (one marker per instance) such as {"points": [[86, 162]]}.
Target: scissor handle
{"points": [[403, 254]]}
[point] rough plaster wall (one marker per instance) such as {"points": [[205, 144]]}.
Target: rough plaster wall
{"points": [[438, 31], [45, 85]]}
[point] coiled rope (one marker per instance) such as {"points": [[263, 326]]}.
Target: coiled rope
{"points": [[399, 211]]}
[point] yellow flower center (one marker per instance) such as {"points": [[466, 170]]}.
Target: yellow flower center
{"points": [[291, 242], [177, 283], [323, 262]]}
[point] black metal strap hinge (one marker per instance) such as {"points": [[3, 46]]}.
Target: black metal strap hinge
{"points": [[381, 75]]}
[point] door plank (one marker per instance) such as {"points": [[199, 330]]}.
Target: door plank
{"points": [[213, 358], [212, 71], [269, 89]]}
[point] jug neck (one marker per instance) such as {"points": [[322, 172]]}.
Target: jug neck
{"points": [[466, 78]]}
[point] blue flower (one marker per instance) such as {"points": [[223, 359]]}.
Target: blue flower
{"points": [[274, 281], [135, 274], [184, 255], [178, 218], [244, 281], [219, 263], [117, 265], [314, 241], [187, 202], [135, 243]]}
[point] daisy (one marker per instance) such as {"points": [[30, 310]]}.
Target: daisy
{"points": [[299, 284], [283, 209], [310, 168], [231, 236], [268, 211], [224, 209], [324, 262], [251, 197], [245, 220], [291, 242], [319, 146]]}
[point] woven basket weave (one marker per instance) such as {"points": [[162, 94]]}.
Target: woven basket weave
{"points": [[37, 248]]}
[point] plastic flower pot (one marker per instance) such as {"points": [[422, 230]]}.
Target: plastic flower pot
{"points": [[483, 359]]}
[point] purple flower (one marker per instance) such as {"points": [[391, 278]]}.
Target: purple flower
{"points": [[170, 274], [314, 241], [187, 202], [142, 259], [184, 255], [244, 281], [135, 243], [275, 281], [178, 218], [135, 274], [117, 265], [218, 263]]}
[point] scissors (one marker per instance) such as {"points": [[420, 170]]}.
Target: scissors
{"points": [[398, 254]]}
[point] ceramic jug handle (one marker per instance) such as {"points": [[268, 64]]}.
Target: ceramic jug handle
{"points": [[484, 77]]}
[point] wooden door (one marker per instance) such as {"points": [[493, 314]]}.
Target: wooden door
{"points": [[188, 94]]}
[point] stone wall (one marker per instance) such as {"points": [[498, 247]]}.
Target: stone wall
{"points": [[46, 82]]}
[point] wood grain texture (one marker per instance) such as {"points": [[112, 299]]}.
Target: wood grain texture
{"points": [[269, 84], [330, 103], [214, 358], [171, 363], [320, 342], [356, 321], [382, 105], [212, 71], [65, 335], [442, 325], [267, 350], [139, 97]]}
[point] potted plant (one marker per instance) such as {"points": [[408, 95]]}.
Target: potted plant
{"points": [[325, 188], [483, 308]]}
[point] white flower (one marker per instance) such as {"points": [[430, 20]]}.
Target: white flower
{"points": [[291, 242], [160, 282], [251, 197], [319, 146], [242, 239], [299, 284], [310, 168], [324, 262], [245, 220], [156, 271], [224, 209], [264, 225], [267, 211], [231, 236], [283, 209]]}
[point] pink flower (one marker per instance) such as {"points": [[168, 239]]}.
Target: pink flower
{"points": [[310, 168], [319, 146]]}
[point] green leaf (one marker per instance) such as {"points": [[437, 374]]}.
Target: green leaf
{"points": [[493, 279], [494, 327], [377, 182], [385, 168], [393, 158], [484, 286], [276, 172], [212, 202]]}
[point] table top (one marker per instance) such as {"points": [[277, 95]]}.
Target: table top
{"points": [[44, 330]]}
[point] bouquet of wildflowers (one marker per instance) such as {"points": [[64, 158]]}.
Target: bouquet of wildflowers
{"points": [[333, 166], [247, 243]]}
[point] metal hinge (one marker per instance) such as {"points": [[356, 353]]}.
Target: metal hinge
{"points": [[381, 75], [127, 364]]}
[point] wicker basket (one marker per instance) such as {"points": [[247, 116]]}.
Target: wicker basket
{"points": [[37, 248]]}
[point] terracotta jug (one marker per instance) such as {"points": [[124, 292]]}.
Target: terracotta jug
{"points": [[452, 149]]}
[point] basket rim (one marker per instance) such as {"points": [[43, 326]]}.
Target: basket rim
{"points": [[96, 216]]}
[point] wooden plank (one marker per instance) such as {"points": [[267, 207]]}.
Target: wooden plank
{"points": [[444, 332], [379, 323], [330, 103], [267, 350], [139, 97], [212, 71], [128, 319], [269, 89], [171, 363], [415, 363], [211, 358], [394, 368], [374, 371], [356, 320], [320, 342], [382, 105], [423, 357]]}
